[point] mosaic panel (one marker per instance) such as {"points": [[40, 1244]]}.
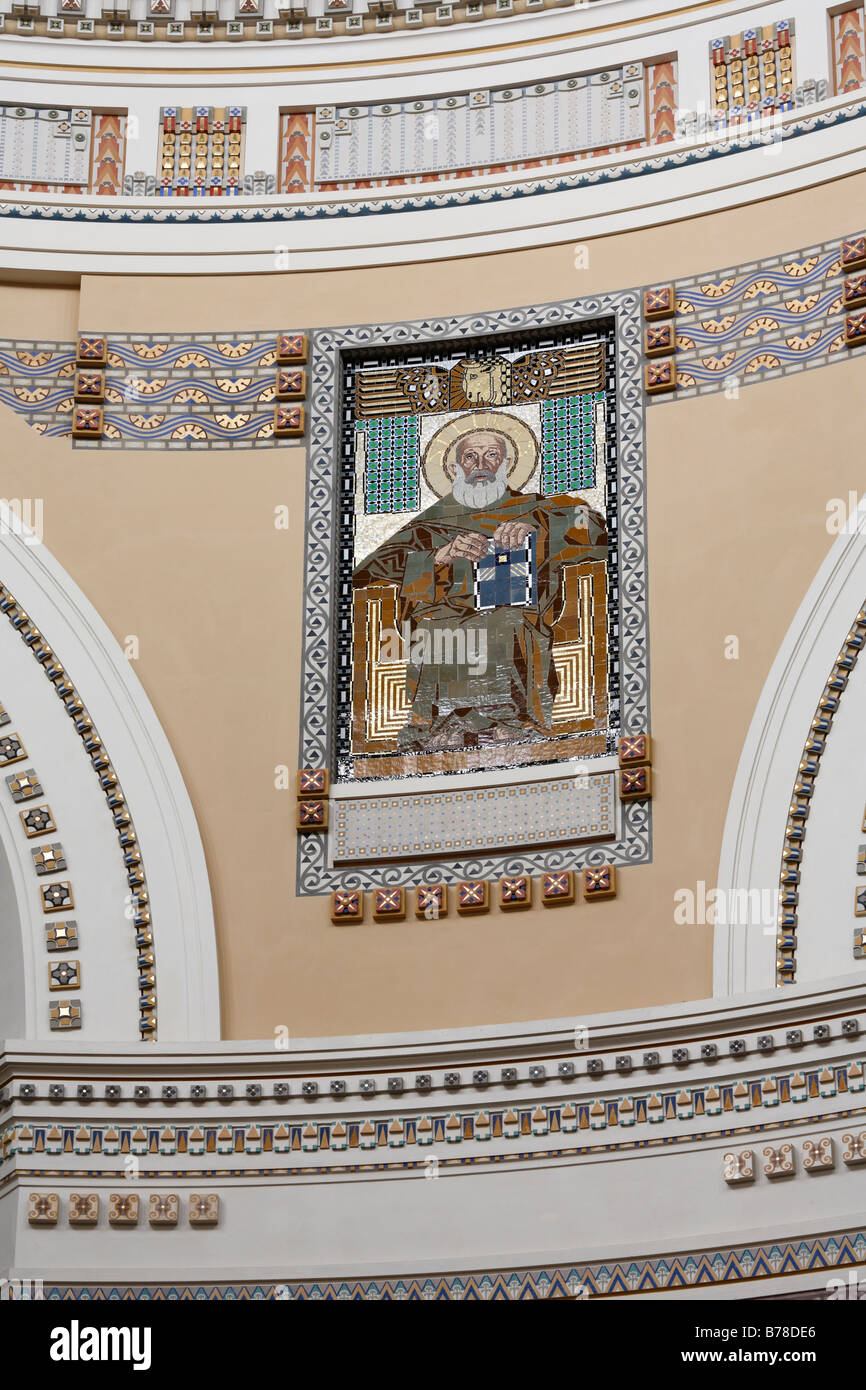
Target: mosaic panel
{"points": [[573, 434], [201, 151], [46, 145], [482, 127], [849, 67], [567, 673], [761, 320], [296, 152], [109, 139], [662, 101], [753, 72], [389, 449], [483, 818], [173, 391], [479, 617]]}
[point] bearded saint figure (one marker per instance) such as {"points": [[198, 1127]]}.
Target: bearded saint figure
{"points": [[434, 563]]}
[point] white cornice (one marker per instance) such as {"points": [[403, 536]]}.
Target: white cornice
{"points": [[671, 1024], [617, 27], [69, 236]]}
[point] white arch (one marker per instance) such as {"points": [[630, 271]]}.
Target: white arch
{"points": [[752, 844], [168, 837]]}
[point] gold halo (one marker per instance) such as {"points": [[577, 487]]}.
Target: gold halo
{"points": [[521, 452]]}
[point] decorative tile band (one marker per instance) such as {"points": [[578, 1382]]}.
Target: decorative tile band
{"points": [[47, 859], [57, 897], [755, 322], [474, 1158], [154, 21], [473, 895], [744, 1265], [476, 1125], [163, 1209], [160, 392], [817, 1154], [745, 138]]}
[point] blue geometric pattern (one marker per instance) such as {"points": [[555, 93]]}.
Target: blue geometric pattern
{"points": [[760, 321], [699, 1269], [179, 391]]}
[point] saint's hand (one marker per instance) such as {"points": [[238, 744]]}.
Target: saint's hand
{"points": [[466, 545], [511, 534]]}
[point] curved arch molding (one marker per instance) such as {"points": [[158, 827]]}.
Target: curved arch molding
{"points": [[802, 769], [111, 923]]}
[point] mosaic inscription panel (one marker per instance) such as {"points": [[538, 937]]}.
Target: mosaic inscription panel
{"points": [[483, 127], [41, 144], [470, 821]]}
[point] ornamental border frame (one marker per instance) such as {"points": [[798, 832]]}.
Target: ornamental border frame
{"points": [[316, 731]]}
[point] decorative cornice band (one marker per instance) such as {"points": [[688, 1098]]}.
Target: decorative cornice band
{"points": [[621, 1277], [283, 211]]}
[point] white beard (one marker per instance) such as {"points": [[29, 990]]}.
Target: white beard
{"points": [[481, 494]]}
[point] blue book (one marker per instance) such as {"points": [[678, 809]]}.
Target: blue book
{"points": [[506, 578]]}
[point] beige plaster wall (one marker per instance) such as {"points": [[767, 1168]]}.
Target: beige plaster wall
{"points": [[180, 550]]}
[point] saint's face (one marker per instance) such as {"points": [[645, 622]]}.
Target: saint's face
{"points": [[481, 456]]}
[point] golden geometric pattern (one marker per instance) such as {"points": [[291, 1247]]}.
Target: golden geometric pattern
{"points": [[388, 705]]}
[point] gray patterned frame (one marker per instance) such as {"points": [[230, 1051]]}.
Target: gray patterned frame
{"points": [[320, 645]]}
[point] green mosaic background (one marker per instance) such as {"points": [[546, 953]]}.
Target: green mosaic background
{"points": [[568, 442], [391, 476]]}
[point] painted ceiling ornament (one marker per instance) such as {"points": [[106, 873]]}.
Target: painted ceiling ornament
{"points": [[439, 460]]}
